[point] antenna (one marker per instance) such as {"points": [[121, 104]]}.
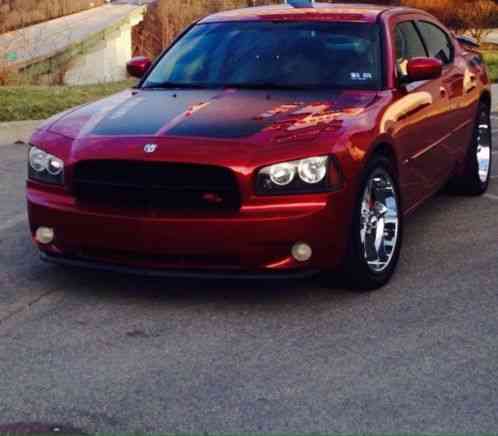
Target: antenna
{"points": [[300, 4]]}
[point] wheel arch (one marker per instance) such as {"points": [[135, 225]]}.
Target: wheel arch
{"points": [[385, 148]]}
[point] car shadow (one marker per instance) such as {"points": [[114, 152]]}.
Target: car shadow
{"points": [[109, 285]]}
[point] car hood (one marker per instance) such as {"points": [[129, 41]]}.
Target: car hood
{"points": [[214, 114]]}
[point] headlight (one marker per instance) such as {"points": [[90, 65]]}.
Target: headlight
{"points": [[282, 174], [313, 170], [45, 167], [299, 176]]}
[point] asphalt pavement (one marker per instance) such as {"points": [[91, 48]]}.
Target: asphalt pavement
{"points": [[101, 351]]}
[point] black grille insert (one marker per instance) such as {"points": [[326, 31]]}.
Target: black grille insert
{"points": [[154, 185]]}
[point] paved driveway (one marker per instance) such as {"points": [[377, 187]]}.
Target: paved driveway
{"points": [[101, 351]]}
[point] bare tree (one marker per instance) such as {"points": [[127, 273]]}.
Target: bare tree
{"points": [[175, 15], [478, 17], [475, 17]]}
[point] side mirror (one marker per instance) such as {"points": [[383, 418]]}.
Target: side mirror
{"points": [[423, 69], [138, 66]]}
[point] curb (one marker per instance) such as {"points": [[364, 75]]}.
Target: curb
{"points": [[17, 131], [494, 95]]}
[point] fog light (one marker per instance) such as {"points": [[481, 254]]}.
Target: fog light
{"points": [[44, 235], [301, 252]]}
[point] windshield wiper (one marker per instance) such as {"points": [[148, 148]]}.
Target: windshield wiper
{"points": [[254, 85], [265, 85], [173, 85]]}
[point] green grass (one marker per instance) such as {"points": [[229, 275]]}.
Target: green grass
{"points": [[18, 103], [491, 58]]}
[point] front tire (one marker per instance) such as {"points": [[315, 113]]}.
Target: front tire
{"points": [[377, 228]]}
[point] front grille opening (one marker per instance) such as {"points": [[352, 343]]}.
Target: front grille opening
{"points": [[156, 186]]}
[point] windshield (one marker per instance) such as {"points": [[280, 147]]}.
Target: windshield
{"points": [[272, 55]]}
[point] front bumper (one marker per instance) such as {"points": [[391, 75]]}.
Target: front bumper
{"points": [[256, 239]]}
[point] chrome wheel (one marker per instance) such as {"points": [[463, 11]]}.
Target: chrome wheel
{"points": [[484, 147], [379, 226]]}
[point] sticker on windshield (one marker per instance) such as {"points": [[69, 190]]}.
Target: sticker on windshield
{"points": [[361, 76]]}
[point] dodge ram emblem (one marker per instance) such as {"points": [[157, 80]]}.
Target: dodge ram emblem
{"points": [[150, 148]]}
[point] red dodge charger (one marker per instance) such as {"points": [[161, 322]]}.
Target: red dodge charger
{"points": [[275, 141]]}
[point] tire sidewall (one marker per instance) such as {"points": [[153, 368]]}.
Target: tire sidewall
{"points": [[466, 180], [482, 186]]}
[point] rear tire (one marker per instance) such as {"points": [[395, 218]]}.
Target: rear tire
{"points": [[376, 231], [474, 180]]}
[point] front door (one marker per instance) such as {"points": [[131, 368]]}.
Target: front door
{"points": [[419, 112], [439, 45]]}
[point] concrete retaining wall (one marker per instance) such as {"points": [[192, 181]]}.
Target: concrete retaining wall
{"points": [[105, 61], [85, 48], [15, 14]]}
